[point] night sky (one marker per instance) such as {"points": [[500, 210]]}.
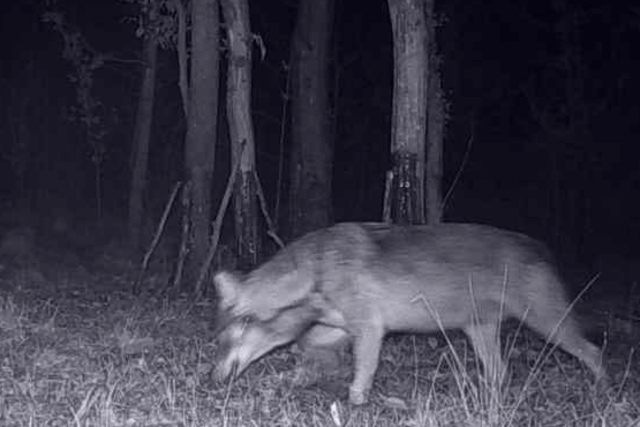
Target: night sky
{"points": [[517, 175]]}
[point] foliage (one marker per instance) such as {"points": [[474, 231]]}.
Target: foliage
{"points": [[85, 61], [157, 18]]}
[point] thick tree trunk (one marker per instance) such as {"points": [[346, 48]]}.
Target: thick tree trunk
{"points": [[312, 149], [409, 109], [436, 119], [201, 128], [236, 16], [141, 139]]}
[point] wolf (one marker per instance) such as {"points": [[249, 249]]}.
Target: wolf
{"points": [[353, 283]]}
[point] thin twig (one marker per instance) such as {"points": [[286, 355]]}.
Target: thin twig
{"points": [[465, 158], [283, 120], [156, 237], [386, 202], [271, 232], [184, 238], [217, 225]]}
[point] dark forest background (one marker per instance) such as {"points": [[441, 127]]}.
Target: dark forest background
{"points": [[504, 72]]}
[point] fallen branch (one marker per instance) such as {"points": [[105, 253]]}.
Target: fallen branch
{"points": [[271, 231], [217, 225], [156, 237]]}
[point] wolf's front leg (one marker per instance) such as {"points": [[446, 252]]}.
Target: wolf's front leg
{"points": [[366, 352], [323, 347]]}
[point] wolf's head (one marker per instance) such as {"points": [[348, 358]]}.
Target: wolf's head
{"points": [[244, 339], [253, 320], [278, 301]]}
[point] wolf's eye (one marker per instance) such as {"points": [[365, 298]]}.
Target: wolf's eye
{"points": [[246, 321]]}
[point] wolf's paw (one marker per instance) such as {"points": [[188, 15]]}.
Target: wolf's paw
{"points": [[358, 397]]}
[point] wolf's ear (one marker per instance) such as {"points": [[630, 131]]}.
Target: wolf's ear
{"points": [[228, 287]]}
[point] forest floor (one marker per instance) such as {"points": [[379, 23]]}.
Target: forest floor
{"points": [[78, 349]]}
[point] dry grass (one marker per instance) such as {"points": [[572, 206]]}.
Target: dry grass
{"points": [[77, 350]]}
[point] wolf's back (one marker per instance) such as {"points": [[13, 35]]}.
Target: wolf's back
{"points": [[459, 270], [377, 263]]}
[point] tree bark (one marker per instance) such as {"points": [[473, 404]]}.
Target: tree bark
{"points": [[142, 134], [239, 37], [409, 109], [201, 127], [183, 59], [436, 119], [312, 149]]}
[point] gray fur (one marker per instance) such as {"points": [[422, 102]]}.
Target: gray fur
{"points": [[357, 282]]}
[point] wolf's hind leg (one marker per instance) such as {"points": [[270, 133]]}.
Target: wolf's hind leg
{"points": [[567, 334], [549, 315]]}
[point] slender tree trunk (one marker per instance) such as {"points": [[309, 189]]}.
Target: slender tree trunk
{"points": [[312, 149], [183, 59], [236, 16], [142, 137], [436, 119], [203, 114], [409, 109]]}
